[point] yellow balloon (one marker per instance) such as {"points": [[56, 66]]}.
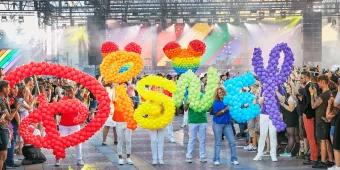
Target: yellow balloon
{"points": [[158, 109]]}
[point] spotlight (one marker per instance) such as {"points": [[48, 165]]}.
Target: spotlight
{"points": [[3, 18]]}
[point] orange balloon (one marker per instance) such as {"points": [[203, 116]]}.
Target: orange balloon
{"points": [[109, 68], [124, 107]]}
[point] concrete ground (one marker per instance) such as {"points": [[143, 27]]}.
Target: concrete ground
{"points": [[98, 157]]}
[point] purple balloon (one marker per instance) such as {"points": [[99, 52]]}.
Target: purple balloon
{"points": [[271, 78]]}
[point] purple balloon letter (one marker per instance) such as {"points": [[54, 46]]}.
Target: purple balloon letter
{"points": [[271, 78]]}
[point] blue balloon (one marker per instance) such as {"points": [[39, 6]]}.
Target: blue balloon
{"points": [[241, 106]]}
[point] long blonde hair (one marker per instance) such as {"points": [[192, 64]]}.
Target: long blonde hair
{"points": [[216, 93]]}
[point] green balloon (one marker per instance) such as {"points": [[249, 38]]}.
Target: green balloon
{"points": [[199, 102]]}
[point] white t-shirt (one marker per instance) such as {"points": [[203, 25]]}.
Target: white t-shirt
{"points": [[111, 92]]}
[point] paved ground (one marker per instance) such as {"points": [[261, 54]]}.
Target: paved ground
{"points": [[101, 157]]}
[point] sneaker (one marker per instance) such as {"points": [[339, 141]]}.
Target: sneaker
{"points": [[172, 140], [104, 143], [333, 168], [188, 160], [274, 158], [115, 143], [235, 162], [57, 163], [330, 164], [161, 162], [80, 162], [320, 165], [216, 163], [129, 161], [252, 149], [247, 147], [286, 154], [121, 161], [154, 162], [258, 158], [309, 162], [12, 166], [203, 160]]}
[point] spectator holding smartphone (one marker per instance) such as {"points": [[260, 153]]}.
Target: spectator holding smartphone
{"points": [[6, 115]]}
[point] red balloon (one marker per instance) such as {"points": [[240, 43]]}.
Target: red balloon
{"points": [[46, 111]]}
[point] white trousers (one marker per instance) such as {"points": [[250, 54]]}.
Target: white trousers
{"points": [[67, 130], [157, 143], [265, 126], [124, 136], [185, 118], [170, 130]]}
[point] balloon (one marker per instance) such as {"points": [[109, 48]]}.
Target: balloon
{"points": [[271, 79], [120, 66], [183, 60], [158, 110], [46, 111], [199, 102], [236, 99], [124, 105], [112, 63], [108, 47]]}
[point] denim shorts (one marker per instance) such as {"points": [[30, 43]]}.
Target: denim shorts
{"points": [[4, 139]]}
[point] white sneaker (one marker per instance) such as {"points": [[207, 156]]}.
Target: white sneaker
{"points": [[334, 168], [121, 161], [57, 163], [247, 147], [331, 168], [161, 162], [154, 162], [258, 158], [80, 162], [172, 140], [129, 161], [188, 160], [216, 163], [235, 162], [203, 160], [274, 159]]}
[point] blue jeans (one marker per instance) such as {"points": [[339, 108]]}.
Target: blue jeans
{"points": [[197, 129], [10, 151], [227, 130]]}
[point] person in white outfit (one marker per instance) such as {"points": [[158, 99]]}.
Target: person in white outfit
{"points": [[123, 136], [67, 126], [157, 145], [109, 122], [265, 126], [170, 133]]}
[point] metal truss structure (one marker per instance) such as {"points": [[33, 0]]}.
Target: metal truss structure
{"points": [[164, 11]]}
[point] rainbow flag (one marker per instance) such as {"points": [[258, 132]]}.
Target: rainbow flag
{"points": [[8, 57]]}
